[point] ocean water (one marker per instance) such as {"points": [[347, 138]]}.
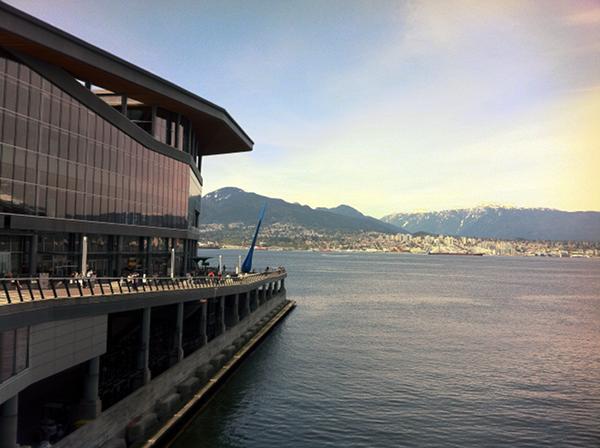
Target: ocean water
{"points": [[405, 350]]}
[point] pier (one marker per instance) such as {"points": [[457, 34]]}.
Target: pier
{"points": [[108, 363]]}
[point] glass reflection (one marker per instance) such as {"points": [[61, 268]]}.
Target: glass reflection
{"points": [[60, 159]]}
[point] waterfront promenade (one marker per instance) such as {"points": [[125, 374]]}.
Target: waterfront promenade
{"points": [[111, 351], [19, 290]]}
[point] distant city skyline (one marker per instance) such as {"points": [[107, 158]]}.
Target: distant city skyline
{"points": [[407, 106]]}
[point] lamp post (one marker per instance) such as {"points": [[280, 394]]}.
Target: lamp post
{"points": [[84, 250], [172, 262]]}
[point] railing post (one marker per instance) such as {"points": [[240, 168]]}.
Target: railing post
{"points": [[41, 290], [91, 286], [53, 287], [19, 290], [66, 286], [30, 291], [6, 291]]}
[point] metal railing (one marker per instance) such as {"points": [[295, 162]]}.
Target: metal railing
{"points": [[24, 289]]}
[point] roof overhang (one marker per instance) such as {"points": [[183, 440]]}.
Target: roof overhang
{"points": [[217, 130]]}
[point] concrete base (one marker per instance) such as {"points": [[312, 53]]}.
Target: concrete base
{"points": [[89, 410], [113, 421], [146, 376], [137, 429], [167, 406], [115, 443], [187, 388]]}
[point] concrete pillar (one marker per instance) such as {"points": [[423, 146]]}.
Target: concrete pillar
{"points": [[91, 406], [270, 291], [179, 332], [236, 309], [9, 419], [282, 284], [203, 321], [144, 355], [221, 318], [246, 304]]}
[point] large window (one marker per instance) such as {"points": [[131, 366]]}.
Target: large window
{"points": [[14, 255], [59, 159]]}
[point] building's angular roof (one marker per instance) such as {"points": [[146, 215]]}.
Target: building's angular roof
{"points": [[217, 130]]}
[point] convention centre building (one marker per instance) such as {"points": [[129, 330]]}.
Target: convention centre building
{"points": [[99, 156]]}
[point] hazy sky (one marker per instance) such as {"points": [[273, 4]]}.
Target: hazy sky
{"points": [[385, 106]]}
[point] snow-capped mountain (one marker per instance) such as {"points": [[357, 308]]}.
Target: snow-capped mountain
{"points": [[503, 222]]}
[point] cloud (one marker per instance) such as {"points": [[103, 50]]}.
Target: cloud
{"points": [[588, 17], [407, 105]]}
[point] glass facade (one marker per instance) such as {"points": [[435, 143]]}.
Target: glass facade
{"points": [[60, 159], [14, 254], [175, 130], [108, 255]]}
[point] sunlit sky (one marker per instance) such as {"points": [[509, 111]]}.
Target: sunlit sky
{"points": [[385, 106]]}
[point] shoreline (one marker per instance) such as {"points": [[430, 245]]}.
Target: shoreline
{"points": [[379, 251]]}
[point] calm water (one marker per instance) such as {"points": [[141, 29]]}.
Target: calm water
{"points": [[405, 350]]}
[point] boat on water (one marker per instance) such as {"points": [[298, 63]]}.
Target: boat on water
{"points": [[456, 253], [209, 246]]}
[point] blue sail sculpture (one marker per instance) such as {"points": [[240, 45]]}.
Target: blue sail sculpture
{"points": [[247, 264]]}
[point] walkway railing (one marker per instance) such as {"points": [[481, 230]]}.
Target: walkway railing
{"points": [[16, 290]]}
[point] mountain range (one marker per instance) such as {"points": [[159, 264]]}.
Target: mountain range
{"points": [[232, 205], [503, 223]]}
